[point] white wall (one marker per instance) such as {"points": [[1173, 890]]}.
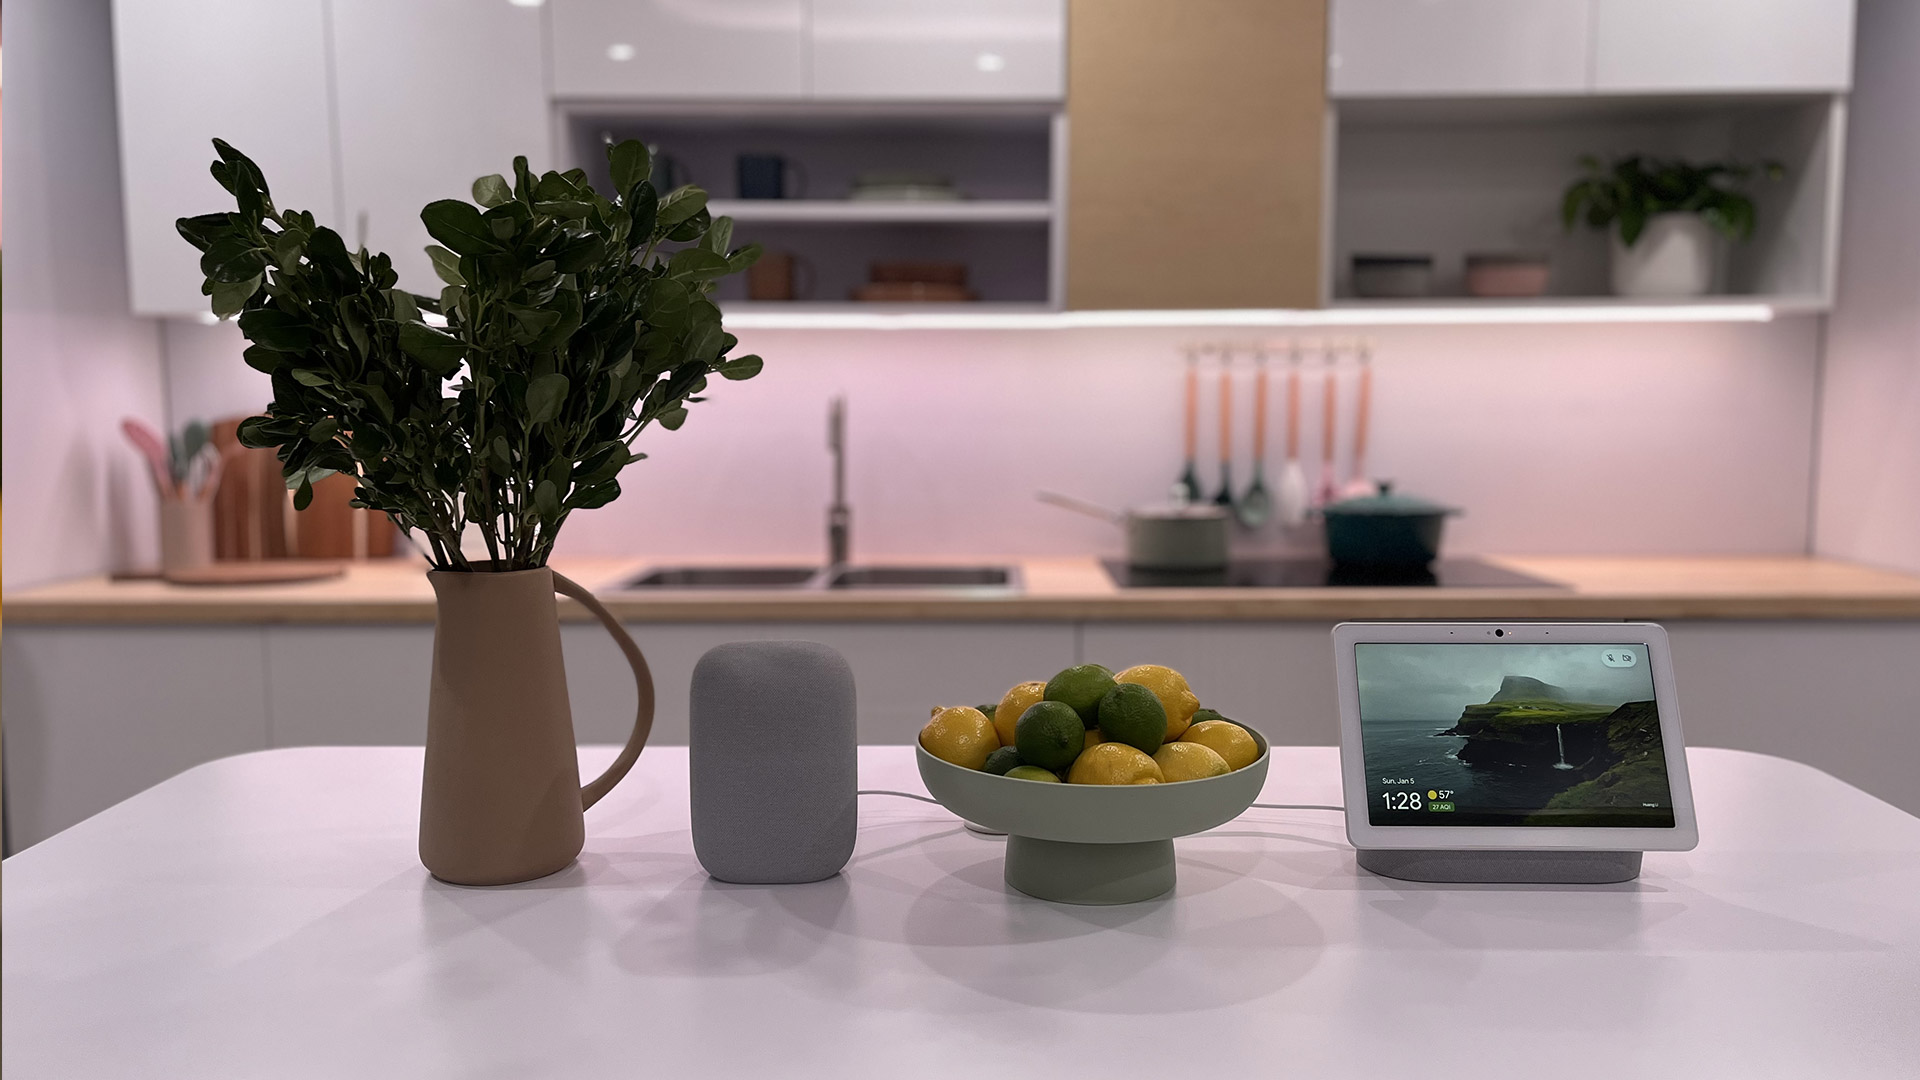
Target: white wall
{"points": [[74, 361], [1653, 438], [1869, 482]]}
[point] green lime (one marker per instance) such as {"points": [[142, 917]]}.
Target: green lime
{"points": [[1001, 760], [1200, 716], [1049, 735], [1132, 714], [1031, 772], [1081, 688], [987, 710]]}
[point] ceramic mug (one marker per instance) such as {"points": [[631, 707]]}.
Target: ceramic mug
{"points": [[780, 275], [764, 176]]}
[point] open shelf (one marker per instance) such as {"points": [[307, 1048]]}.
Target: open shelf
{"points": [[875, 211], [1450, 177], [1354, 315]]}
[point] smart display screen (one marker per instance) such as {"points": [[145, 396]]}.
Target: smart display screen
{"points": [[1511, 735]]}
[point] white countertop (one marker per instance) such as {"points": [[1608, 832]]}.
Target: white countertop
{"points": [[264, 915]]}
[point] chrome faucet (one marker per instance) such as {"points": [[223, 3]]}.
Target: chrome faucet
{"points": [[839, 515]]}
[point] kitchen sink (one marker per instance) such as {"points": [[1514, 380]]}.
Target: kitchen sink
{"points": [[922, 577], [724, 577]]}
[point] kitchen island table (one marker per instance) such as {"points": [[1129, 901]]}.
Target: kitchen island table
{"points": [[264, 916]]}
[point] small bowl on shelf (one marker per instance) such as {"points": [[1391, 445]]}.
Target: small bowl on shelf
{"points": [[1093, 843], [1507, 275], [1392, 277]]}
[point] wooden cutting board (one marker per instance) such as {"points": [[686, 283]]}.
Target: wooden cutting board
{"points": [[259, 572]]}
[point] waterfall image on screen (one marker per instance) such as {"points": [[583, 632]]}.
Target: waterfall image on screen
{"points": [[1527, 735]]}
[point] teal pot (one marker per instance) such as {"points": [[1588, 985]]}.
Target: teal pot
{"points": [[1385, 530]]}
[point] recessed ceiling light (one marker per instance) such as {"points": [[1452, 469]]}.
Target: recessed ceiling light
{"points": [[988, 61], [620, 52]]}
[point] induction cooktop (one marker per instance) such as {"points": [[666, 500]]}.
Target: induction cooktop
{"points": [[1311, 573]]}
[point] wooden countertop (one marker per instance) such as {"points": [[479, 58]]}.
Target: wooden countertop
{"points": [[1057, 589]]}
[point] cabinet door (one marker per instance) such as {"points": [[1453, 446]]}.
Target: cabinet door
{"points": [[674, 50], [1392, 48], [252, 72], [1644, 46], [1196, 142], [938, 50], [420, 118]]}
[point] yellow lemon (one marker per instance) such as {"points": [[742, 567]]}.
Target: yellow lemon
{"points": [[1094, 738], [1226, 738], [1189, 761], [1014, 702], [1171, 688], [1113, 763], [960, 734]]}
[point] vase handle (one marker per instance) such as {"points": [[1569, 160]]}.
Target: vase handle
{"points": [[642, 681]]}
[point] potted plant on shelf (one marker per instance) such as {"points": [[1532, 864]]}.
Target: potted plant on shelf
{"points": [[1666, 213], [570, 322]]}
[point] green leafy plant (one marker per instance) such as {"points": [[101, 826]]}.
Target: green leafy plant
{"points": [[1633, 189], [572, 322]]}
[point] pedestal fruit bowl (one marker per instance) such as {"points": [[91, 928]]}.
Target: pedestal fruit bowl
{"points": [[1093, 843]]}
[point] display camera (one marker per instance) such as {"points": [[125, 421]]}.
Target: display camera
{"points": [[1559, 735]]}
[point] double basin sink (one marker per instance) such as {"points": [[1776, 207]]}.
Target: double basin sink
{"points": [[1002, 578]]}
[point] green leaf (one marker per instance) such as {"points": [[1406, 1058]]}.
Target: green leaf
{"points": [[405, 308], [546, 499], [545, 395], [230, 298], [439, 353], [203, 230], [719, 235], [446, 265], [743, 258], [592, 498], [459, 226], [303, 495], [261, 358], [232, 259], [740, 369], [673, 418], [492, 190], [272, 328], [324, 430], [310, 377], [629, 163], [681, 204], [664, 303], [697, 264]]}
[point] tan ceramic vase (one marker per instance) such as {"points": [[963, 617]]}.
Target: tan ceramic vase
{"points": [[501, 799]]}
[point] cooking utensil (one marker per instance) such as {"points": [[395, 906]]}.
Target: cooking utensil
{"points": [[1386, 529], [1177, 536], [1292, 496], [1256, 505], [1190, 476], [1329, 427], [1224, 496], [1358, 482], [154, 449]]}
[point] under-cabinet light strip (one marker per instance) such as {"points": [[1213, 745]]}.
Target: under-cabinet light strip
{"points": [[1355, 317]]}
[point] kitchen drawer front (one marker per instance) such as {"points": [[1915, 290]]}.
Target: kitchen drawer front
{"points": [[1392, 48], [664, 50], [938, 50]]}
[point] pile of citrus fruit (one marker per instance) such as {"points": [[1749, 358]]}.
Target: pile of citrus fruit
{"points": [[1087, 725]]}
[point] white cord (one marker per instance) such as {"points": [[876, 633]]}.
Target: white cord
{"points": [[1296, 806], [898, 795]]}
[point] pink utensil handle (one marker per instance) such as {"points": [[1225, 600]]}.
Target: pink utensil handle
{"points": [[1260, 413], [1226, 415], [1363, 409], [1293, 414], [150, 445], [1193, 411], [1330, 408]]}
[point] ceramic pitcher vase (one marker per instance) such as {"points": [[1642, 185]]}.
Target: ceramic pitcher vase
{"points": [[501, 799]]}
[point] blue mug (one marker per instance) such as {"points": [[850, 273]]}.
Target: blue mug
{"points": [[764, 176]]}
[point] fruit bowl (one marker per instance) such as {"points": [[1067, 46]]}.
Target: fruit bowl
{"points": [[1093, 843]]}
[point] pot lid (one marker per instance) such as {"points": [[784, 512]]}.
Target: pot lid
{"points": [[1388, 503]]}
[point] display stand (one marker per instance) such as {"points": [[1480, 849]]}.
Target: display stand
{"points": [[1504, 867]]}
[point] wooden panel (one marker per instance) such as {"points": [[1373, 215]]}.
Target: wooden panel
{"points": [[1196, 141]]}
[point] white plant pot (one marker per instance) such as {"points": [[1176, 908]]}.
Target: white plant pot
{"points": [[1672, 257]]}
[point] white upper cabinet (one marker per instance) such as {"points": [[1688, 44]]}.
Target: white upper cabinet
{"points": [[1646, 46], [679, 49], [1401, 48], [420, 119], [252, 72], [938, 50]]}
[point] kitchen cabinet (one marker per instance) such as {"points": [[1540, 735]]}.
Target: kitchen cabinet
{"points": [[671, 50], [1387, 48], [1196, 134], [419, 118], [252, 72], [1652, 46], [937, 50]]}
